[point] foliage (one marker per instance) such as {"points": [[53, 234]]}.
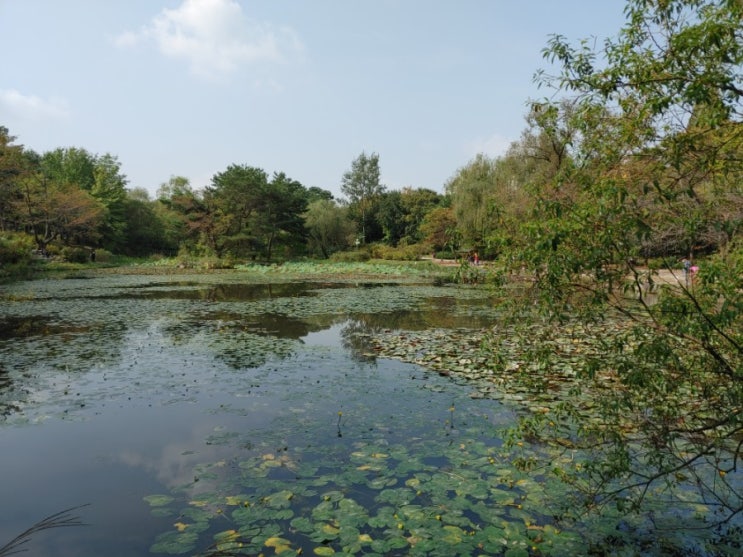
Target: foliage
{"points": [[468, 273], [15, 254], [328, 227], [144, 229], [400, 253], [439, 229], [401, 213], [246, 215], [362, 187], [474, 200], [351, 256], [15, 247], [75, 254], [657, 145], [14, 165], [71, 178]]}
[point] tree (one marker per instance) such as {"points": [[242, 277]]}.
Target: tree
{"points": [[314, 193], [70, 166], [417, 203], [391, 216], [54, 211], [475, 200], [176, 186], [109, 187], [439, 229], [100, 177], [657, 116], [362, 187], [182, 213], [400, 213], [14, 165], [279, 220], [145, 232], [232, 200], [328, 227], [247, 215]]}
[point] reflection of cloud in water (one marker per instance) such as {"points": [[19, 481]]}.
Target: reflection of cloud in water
{"points": [[175, 463], [326, 337]]}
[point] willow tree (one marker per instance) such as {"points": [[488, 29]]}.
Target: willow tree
{"points": [[328, 227], [473, 193], [657, 114]]}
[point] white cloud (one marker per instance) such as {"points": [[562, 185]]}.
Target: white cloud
{"points": [[493, 146], [31, 107], [214, 37]]}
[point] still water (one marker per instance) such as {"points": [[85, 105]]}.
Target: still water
{"points": [[229, 414], [115, 389]]}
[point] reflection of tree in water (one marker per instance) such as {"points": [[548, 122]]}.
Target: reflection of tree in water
{"points": [[7, 394], [356, 333], [34, 348], [281, 326], [254, 292], [237, 341]]}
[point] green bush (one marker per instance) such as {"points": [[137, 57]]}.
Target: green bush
{"points": [[445, 254], [74, 254], [16, 248], [400, 253], [355, 256]]}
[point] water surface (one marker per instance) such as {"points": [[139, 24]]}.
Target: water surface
{"points": [[117, 388]]}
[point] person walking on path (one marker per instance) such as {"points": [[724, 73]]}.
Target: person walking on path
{"points": [[687, 268]]}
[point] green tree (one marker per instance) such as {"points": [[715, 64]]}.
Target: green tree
{"points": [[474, 200], [439, 229], [361, 185], [15, 164], [656, 114], [232, 200], [248, 215], [100, 177], [279, 221], [314, 193], [328, 227], [59, 211], [109, 187], [417, 203], [145, 232], [400, 213], [70, 165], [182, 213], [391, 216], [176, 186]]}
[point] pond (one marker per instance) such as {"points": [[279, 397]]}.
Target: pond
{"points": [[227, 414]]}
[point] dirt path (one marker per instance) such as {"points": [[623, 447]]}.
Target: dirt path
{"points": [[661, 276]]}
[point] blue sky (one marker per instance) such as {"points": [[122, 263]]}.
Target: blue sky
{"points": [[189, 87]]}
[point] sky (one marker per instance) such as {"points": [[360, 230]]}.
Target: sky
{"points": [[190, 87]]}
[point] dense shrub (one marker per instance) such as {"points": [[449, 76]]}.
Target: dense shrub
{"points": [[400, 253], [444, 254], [354, 256], [103, 256], [74, 254], [15, 248]]}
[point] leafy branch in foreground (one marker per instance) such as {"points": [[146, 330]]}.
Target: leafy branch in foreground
{"points": [[654, 171], [61, 519]]}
